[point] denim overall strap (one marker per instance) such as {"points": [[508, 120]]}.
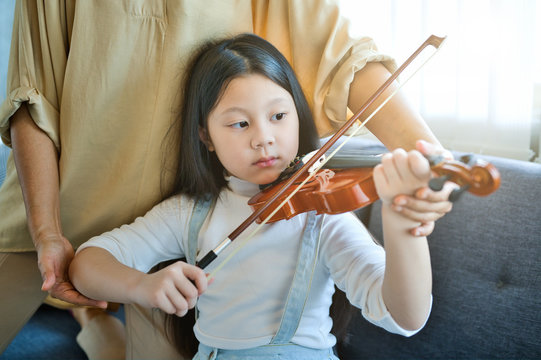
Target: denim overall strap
{"points": [[302, 280], [199, 214]]}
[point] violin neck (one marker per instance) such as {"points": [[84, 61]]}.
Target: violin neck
{"points": [[354, 158]]}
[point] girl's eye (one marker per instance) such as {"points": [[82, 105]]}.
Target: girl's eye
{"points": [[279, 116], [240, 124]]}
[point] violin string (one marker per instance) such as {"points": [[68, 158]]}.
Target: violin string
{"points": [[241, 243]]}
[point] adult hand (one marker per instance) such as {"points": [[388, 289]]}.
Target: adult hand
{"points": [[54, 257], [425, 205]]}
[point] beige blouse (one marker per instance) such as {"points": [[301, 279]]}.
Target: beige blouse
{"points": [[102, 80]]}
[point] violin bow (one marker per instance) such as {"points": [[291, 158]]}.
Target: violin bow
{"points": [[432, 40]]}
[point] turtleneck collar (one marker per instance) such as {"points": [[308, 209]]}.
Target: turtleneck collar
{"points": [[242, 187]]}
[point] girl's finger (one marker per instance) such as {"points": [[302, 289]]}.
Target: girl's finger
{"points": [[178, 302], [401, 165], [389, 169], [186, 289], [379, 174], [419, 166], [163, 303], [197, 276]]}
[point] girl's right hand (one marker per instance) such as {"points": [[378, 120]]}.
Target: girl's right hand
{"points": [[173, 289]]}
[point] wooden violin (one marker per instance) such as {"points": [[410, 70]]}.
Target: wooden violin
{"points": [[346, 184]]}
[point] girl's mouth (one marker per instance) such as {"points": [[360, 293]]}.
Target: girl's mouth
{"points": [[265, 162]]}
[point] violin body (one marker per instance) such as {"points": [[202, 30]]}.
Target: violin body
{"points": [[351, 186], [330, 192]]}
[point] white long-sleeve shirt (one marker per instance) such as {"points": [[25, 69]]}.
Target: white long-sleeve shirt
{"points": [[242, 308]]}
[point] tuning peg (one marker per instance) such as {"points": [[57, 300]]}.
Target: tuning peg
{"points": [[468, 159], [436, 184], [455, 194], [435, 159]]}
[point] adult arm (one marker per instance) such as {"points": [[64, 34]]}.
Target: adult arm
{"points": [[36, 160], [397, 125], [337, 72], [29, 123]]}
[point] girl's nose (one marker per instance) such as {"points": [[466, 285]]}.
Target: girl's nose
{"points": [[262, 138]]}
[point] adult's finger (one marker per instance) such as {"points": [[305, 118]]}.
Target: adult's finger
{"points": [[401, 202], [424, 229], [426, 148], [65, 291], [49, 280], [420, 216]]}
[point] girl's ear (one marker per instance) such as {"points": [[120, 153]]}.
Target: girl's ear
{"points": [[203, 135]]}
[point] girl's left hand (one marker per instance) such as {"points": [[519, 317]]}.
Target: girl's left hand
{"points": [[400, 172], [425, 205]]}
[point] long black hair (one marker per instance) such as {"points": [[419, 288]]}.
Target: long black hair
{"points": [[198, 172]]}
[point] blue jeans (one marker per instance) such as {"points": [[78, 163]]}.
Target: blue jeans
{"points": [[265, 352]]}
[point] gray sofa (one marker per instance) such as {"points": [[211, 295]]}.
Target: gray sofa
{"points": [[486, 260]]}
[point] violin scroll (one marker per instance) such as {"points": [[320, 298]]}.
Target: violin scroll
{"points": [[474, 175]]}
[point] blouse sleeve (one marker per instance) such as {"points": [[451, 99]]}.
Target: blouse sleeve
{"points": [[150, 239], [37, 63], [316, 39], [357, 265]]}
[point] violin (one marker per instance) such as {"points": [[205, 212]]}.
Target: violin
{"points": [[346, 184]]}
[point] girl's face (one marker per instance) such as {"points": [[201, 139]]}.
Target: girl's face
{"points": [[254, 129]]}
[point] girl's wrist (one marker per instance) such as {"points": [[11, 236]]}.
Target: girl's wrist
{"points": [[133, 283], [398, 220]]}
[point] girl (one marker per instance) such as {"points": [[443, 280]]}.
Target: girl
{"points": [[245, 119]]}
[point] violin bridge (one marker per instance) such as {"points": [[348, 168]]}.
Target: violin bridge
{"points": [[323, 178], [317, 164]]}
